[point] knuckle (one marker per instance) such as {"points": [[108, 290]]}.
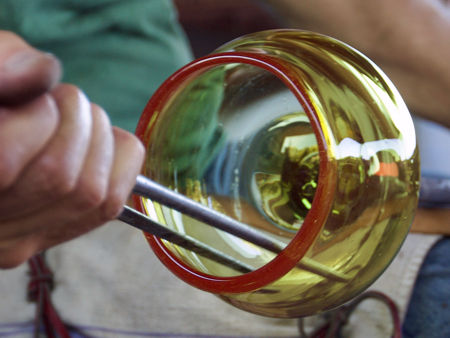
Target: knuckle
{"points": [[127, 138], [138, 147], [102, 121], [96, 109], [66, 93], [90, 195], [54, 179], [131, 144], [67, 89], [124, 136], [19, 144], [140, 150]]}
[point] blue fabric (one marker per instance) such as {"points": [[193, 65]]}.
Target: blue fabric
{"points": [[429, 312]]}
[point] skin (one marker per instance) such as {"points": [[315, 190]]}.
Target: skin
{"points": [[408, 39], [70, 177], [67, 178]]}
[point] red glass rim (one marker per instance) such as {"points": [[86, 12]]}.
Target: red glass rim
{"points": [[322, 201]]}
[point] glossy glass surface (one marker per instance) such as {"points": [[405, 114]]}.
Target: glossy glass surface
{"points": [[301, 137]]}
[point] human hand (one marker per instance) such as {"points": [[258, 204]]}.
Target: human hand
{"points": [[408, 39], [63, 169]]}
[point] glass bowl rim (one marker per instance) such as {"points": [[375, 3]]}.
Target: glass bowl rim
{"points": [[283, 262]]}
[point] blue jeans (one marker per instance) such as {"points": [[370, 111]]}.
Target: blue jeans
{"points": [[429, 310]]}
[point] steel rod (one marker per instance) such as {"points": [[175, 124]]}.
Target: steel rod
{"points": [[160, 194], [146, 224]]}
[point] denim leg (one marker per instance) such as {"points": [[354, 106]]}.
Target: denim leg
{"points": [[428, 314]]}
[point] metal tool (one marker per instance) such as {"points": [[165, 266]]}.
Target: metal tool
{"points": [[160, 194]]}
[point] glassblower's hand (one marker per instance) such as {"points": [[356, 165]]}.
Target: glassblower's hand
{"points": [[63, 169]]}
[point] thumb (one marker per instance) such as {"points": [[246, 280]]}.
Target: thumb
{"points": [[25, 72]]}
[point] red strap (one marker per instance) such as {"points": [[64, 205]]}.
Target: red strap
{"points": [[39, 291], [339, 317]]}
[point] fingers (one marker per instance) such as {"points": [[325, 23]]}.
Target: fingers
{"points": [[25, 73], [108, 171], [19, 141], [128, 158], [61, 206], [63, 169], [56, 169], [92, 185], [15, 252]]}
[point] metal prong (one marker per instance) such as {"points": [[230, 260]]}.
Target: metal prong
{"points": [[144, 223], [160, 194]]}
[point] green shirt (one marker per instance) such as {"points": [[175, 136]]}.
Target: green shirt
{"points": [[117, 51]]}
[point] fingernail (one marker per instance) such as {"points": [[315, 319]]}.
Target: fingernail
{"points": [[22, 61]]}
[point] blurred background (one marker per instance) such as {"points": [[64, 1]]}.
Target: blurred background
{"points": [[209, 24]]}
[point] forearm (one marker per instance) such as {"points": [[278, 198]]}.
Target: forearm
{"points": [[409, 39], [432, 221]]}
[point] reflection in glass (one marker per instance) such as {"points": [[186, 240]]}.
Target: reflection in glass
{"points": [[252, 156], [322, 158]]}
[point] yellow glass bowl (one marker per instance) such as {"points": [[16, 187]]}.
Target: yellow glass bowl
{"points": [[299, 136]]}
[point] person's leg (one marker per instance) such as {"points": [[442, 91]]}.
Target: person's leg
{"points": [[429, 312]]}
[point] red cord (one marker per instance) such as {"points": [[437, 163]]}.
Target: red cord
{"points": [[339, 317], [41, 284], [39, 291]]}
